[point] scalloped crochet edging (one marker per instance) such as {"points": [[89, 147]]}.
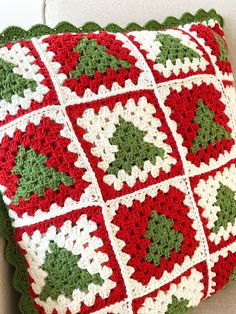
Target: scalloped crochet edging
{"points": [[16, 259], [14, 33]]}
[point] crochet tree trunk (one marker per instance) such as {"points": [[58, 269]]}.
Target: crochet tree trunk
{"points": [[172, 49], [163, 238], [209, 130], [93, 57], [226, 200], [64, 274], [35, 176], [12, 83], [132, 149]]}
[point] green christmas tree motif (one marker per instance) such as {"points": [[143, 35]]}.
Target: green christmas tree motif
{"points": [[35, 176], [132, 149], [178, 306], [93, 57], [233, 275], [223, 48], [64, 274], [12, 83], [163, 237], [209, 130], [226, 200], [172, 49]]}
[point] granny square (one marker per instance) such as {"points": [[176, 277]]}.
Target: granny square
{"points": [[73, 266], [118, 165], [131, 121]]}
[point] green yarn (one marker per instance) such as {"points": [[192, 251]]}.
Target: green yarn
{"points": [[178, 306], [64, 274], [227, 203], [209, 130], [172, 49], [35, 176], [12, 83], [132, 149], [233, 275], [14, 33], [93, 57], [163, 237], [223, 49], [16, 258]]}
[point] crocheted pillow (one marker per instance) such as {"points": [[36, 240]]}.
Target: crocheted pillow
{"points": [[118, 165]]}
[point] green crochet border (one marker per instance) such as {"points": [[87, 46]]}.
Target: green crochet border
{"points": [[16, 259], [14, 33]]}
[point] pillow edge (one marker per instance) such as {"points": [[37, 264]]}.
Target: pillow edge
{"points": [[15, 33]]}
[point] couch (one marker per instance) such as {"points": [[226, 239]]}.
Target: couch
{"points": [[28, 12]]}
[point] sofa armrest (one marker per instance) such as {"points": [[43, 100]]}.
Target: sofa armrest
{"points": [[8, 296]]}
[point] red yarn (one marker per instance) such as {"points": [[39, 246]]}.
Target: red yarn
{"points": [[50, 98], [207, 34], [133, 221], [93, 213], [45, 139], [62, 46], [183, 114], [76, 111]]}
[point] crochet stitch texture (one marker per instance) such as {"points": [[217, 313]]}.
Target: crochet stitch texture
{"points": [[118, 167]]}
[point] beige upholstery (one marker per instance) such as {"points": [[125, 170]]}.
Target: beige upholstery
{"points": [[8, 296], [121, 12], [224, 302]]}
